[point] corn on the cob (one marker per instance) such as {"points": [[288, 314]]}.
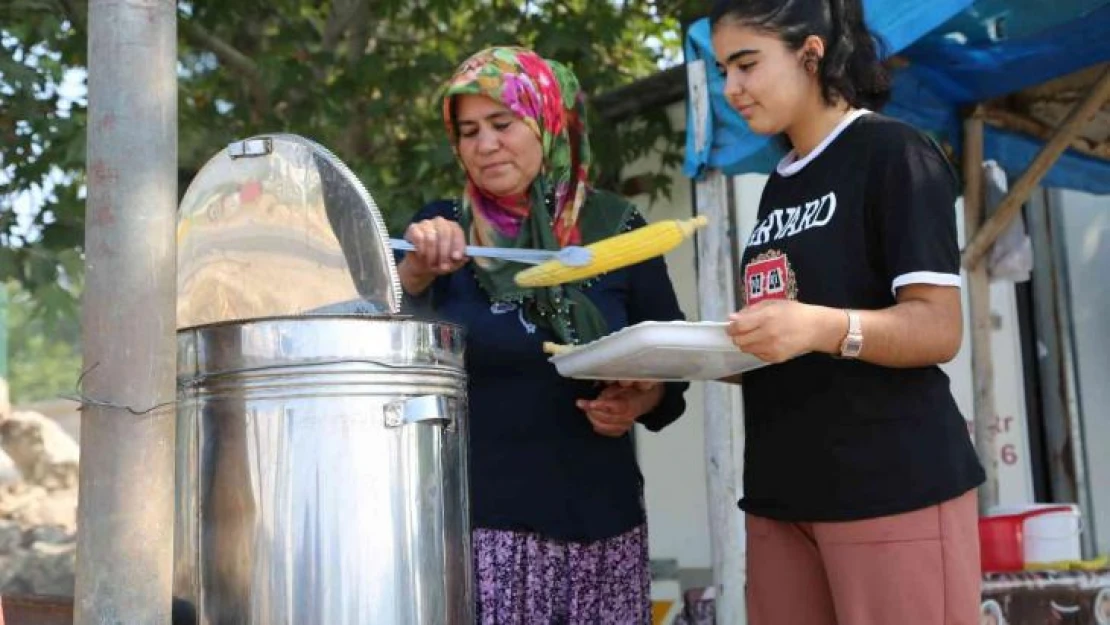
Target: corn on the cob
{"points": [[615, 252], [554, 349]]}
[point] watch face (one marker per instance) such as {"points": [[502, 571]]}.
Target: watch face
{"points": [[851, 346]]}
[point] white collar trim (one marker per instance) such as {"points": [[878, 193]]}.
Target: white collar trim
{"points": [[789, 166]]}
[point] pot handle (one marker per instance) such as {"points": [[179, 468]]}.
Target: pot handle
{"points": [[423, 409]]}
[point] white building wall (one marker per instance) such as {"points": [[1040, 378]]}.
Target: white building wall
{"points": [[673, 461]]}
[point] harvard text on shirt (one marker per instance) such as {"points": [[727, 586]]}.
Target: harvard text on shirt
{"points": [[787, 222]]}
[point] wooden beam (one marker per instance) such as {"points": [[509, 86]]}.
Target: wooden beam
{"points": [[1032, 176], [658, 90], [1023, 124], [1067, 87], [722, 405], [979, 298]]}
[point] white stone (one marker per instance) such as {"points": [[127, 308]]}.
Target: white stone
{"points": [[44, 453]]}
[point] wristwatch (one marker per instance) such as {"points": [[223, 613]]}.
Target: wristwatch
{"points": [[852, 344]]}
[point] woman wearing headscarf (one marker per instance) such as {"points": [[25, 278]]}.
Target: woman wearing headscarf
{"points": [[559, 531]]}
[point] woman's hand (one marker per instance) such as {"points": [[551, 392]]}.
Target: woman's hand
{"points": [[440, 249], [620, 404], [778, 330]]}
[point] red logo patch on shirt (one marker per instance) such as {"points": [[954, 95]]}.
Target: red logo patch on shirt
{"points": [[767, 277]]}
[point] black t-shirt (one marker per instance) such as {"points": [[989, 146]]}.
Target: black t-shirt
{"points": [[870, 210]]}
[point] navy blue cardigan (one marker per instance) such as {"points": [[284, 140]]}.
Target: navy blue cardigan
{"points": [[535, 462]]}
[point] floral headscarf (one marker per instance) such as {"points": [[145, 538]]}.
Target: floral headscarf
{"points": [[546, 96]]}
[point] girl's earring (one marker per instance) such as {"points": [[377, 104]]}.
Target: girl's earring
{"points": [[811, 61]]}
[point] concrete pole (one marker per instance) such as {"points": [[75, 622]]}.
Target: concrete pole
{"points": [[125, 513], [723, 408]]}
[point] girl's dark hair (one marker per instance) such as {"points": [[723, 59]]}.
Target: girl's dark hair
{"points": [[850, 69]]}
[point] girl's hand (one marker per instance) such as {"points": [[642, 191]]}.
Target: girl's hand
{"points": [[778, 330]]}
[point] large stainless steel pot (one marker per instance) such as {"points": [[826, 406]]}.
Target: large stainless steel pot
{"points": [[321, 473], [321, 457]]}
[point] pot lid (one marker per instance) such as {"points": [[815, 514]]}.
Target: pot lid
{"points": [[276, 225]]}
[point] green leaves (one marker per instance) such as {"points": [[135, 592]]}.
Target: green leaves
{"points": [[43, 331], [359, 76], [43, 145]]}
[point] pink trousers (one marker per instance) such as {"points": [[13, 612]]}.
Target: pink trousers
{"points": [[917, 568]]}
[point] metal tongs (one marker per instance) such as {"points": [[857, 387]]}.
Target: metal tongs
{"points": [[571, 256]]}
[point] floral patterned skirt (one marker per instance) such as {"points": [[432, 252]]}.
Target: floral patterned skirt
{"points": [[526, 579]]}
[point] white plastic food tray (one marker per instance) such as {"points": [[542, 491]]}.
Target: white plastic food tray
{"points": [[658, 350]]}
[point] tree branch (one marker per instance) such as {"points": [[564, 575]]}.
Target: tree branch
{"points": [[233, 59], [339, 21], [359, 37]]}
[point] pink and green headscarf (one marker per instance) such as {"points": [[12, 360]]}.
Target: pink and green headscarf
{"points": [[560, 208], [546, 96]]}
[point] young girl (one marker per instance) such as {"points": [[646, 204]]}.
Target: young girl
{"points": [[859, 471]]}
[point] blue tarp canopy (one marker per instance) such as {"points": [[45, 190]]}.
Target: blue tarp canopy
{"points": [[959, 52]]}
